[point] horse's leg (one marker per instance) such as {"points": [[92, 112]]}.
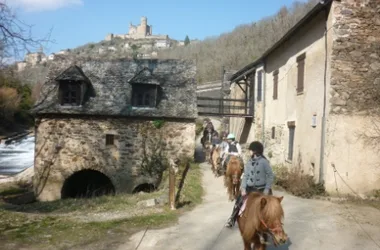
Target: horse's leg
{"points": [[247, 245], [257, 243], [230, 190]]}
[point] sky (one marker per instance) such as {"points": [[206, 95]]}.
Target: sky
{"points": [[72, 23]]}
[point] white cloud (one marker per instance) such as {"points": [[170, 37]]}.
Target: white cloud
{"points": [[44, 5]]}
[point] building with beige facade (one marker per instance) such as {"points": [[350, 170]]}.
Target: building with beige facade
{"points": [[315, 97]]}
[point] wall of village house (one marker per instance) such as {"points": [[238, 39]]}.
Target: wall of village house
{"points": [[353, 101], [65, 146], [236, 124], [293, 107]]}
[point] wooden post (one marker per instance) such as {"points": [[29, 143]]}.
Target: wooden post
{"points": [[172, 172]]}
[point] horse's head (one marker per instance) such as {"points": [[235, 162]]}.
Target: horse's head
{"points": [[235, 178], [271, 218]]}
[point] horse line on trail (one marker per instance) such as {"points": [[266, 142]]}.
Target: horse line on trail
{"points": [[310, 224]]}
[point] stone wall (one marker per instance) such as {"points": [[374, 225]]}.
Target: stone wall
{"points": [[67, 145], [352, 151], [355, 81]]}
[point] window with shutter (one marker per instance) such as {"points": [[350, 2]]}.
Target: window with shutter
{"points": [[301, 73], [273, 132], [275, 85], [259, 85], [292, 128]]}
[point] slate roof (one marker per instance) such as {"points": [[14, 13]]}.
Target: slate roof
{"points": [[111, 87]]}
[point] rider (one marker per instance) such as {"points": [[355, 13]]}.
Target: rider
{"points": [[224, 144], [215, 141], [232, 148], [258, 177]]}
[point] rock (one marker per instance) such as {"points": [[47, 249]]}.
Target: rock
{"points": [[163, 199], [377, 81], [147, 203], [338, 101], [375, 66], [356, 53], [346, 12]]}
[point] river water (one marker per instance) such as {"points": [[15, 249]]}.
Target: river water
{"points": [[17, 156]]}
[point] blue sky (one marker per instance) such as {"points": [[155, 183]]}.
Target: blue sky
{"points": [[77, 22]]}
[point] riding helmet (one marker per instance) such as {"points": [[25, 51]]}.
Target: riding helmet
{"points": [[231, 136], [257, 147]]}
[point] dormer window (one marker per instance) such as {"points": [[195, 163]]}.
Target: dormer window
{"points": [[73, 85], [70, 93], [144, 95], [144, 89]]}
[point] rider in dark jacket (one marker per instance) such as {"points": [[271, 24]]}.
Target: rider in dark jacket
{"points": [[258, 177]]}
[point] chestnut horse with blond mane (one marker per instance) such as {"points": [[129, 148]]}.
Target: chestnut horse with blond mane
{"points": [[262, 215], [232, 177], [216, 161]]}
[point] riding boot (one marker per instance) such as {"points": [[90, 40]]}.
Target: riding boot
{"points": [[231, 221]]}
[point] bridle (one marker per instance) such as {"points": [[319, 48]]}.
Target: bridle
{"points": [[271, 231]]}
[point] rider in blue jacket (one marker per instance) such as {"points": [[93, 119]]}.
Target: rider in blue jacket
{"points": [[258, 177]]}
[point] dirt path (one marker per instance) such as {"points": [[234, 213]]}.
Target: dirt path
{"points": [[310, 224]]}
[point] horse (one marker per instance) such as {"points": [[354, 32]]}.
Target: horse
{"points": [[232, 177], [216, 160], [262, 215], [207, 149]]}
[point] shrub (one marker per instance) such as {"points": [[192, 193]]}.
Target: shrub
{"points": [[198, 127], [296, 182], [158, 123]]}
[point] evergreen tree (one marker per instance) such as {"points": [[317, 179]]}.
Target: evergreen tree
{"points": [[187, 40]]}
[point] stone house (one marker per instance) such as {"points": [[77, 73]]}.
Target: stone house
{"points": [[100, 123], [315, 95]]}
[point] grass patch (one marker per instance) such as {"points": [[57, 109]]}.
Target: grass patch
{"points": [[55, 224], [296, 182], [11, 190], [192, 190], [62, 233]]}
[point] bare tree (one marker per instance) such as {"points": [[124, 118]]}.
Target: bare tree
{"points": [[15, 35]]}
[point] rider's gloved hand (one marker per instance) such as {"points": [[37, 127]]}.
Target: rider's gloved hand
{"points": [[266, 191]]}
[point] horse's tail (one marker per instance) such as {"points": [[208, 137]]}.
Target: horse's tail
{"points": [[250, 224]]}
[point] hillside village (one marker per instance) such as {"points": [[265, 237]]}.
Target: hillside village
{"points": [[139, 42]]}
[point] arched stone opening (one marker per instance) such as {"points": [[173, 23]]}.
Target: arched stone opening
{"points": [[145, 187], [87, 183]]}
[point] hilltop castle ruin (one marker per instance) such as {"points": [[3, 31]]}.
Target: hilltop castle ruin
{"points": [[141, 31]]}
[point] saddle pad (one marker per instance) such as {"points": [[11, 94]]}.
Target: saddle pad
{"points": [[243, 206]]}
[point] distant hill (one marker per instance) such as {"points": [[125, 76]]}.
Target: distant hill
{"points": [[232, 50], [242, 46]]}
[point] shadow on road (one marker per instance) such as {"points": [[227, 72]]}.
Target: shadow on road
{"points": [[199, 154]]}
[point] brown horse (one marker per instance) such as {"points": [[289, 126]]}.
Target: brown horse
{"points": [[207, 149], [232, 177], [216, 160], [262, 215]]}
